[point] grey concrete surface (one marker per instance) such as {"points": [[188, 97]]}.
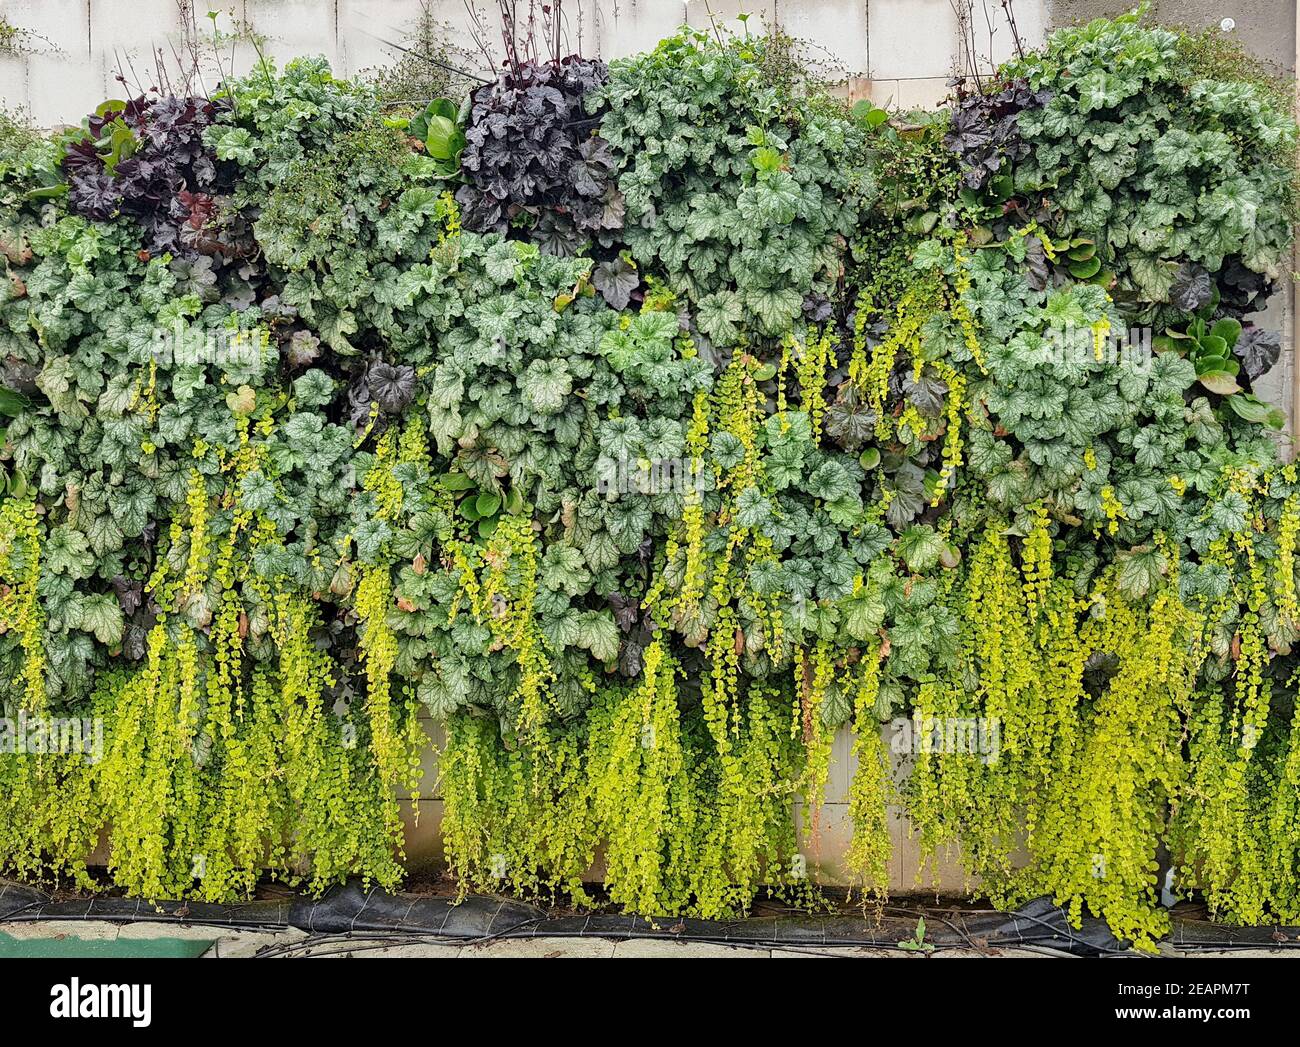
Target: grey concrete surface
{"points": [[1266, 27]]}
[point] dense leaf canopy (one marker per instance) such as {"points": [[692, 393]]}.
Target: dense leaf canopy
{"points": [[645, 425]]}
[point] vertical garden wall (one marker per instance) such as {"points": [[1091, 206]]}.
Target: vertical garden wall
{"points": [[646, 424]]}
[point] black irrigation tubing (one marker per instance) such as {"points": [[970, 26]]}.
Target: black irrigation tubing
{"points": [[393, 938], [805, 951], [1182, 944], [396, 937], [1057, 931], [390, 939], [1232, 946], [373, 941], [400, 938], [17, 917], [1065, 933], [521, 931], [1063, 940], [21, 916], [358, 941]]}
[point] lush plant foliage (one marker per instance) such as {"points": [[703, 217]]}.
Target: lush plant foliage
{"points": [[674, 419], [1170, 173], [533, 160], [739, 192]]}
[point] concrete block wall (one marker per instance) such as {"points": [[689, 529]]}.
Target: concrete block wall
{"points": [[903, 50], [822, 849]]}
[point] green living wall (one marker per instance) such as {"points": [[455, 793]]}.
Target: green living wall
{"points": [[646, 424]]}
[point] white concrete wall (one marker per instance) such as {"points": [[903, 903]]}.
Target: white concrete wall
{"points": [[902, 50]]}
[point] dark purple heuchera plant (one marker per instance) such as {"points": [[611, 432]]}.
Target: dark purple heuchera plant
{"points": [[388, 387], [985, 128], [146, 158], [533, 159]]}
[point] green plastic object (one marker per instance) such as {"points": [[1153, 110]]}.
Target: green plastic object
{"points": [[67, 945]]}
